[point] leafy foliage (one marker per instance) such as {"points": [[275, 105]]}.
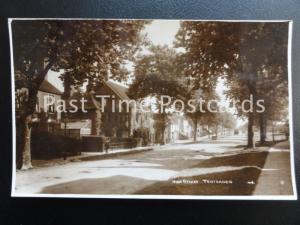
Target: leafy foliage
{"points": [[156, 74], [239, 52], [252, 57], [82, 49]]}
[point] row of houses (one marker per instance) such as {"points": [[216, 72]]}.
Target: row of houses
{"points": [[113, 124]]}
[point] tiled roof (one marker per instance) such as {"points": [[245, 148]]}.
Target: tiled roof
{"points": [[88, 104], [49, 88], [120, 90]]}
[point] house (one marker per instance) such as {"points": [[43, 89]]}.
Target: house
{"points": [[46, 93], [45, 116], [115, 122], [122, 122], [47, 101], [118, 120], [177, 127]]}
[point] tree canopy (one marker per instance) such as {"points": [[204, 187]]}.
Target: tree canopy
{"points": [[82, 50], [239, 52]]}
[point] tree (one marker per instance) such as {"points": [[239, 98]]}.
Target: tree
{"points": [[202, 113], [82, 49], [276, 100], [236, 51], [156, 74], [227, 121]]}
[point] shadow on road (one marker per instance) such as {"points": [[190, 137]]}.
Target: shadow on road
{"points": [[234, 182], [237, 182]]}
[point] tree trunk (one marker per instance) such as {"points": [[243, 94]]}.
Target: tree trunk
{"points": [[208, 132], [96, 115], [162, 141], [252, 91], [96, 122], [26, 130], [67, 86], [262, 128], [250, 130], [26, 150], [273, 132], [195, 130], [29, 109]]}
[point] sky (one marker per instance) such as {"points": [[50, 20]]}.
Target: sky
{"points": [[159, 32]]}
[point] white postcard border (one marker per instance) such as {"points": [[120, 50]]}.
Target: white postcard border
{"points": [[133, 196]]}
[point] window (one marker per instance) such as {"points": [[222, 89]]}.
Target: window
{"points": [[49, 99]]}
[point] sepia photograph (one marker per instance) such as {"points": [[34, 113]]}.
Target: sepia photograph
{"points": [[152, 109]]}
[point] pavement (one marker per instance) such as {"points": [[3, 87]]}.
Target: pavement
{"points": [[275, 178], [89, 156], [207, 167]]}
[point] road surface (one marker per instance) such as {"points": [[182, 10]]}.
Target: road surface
{"points": [[220, 167]]}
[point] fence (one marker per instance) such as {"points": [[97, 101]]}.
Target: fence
{"points": [[94, 143], [72, 133], [46, 145]]}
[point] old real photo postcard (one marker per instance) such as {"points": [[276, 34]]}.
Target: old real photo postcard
{"points": [[171, 109]]}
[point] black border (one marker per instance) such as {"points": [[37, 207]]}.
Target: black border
{"points": [[103, 211]]}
